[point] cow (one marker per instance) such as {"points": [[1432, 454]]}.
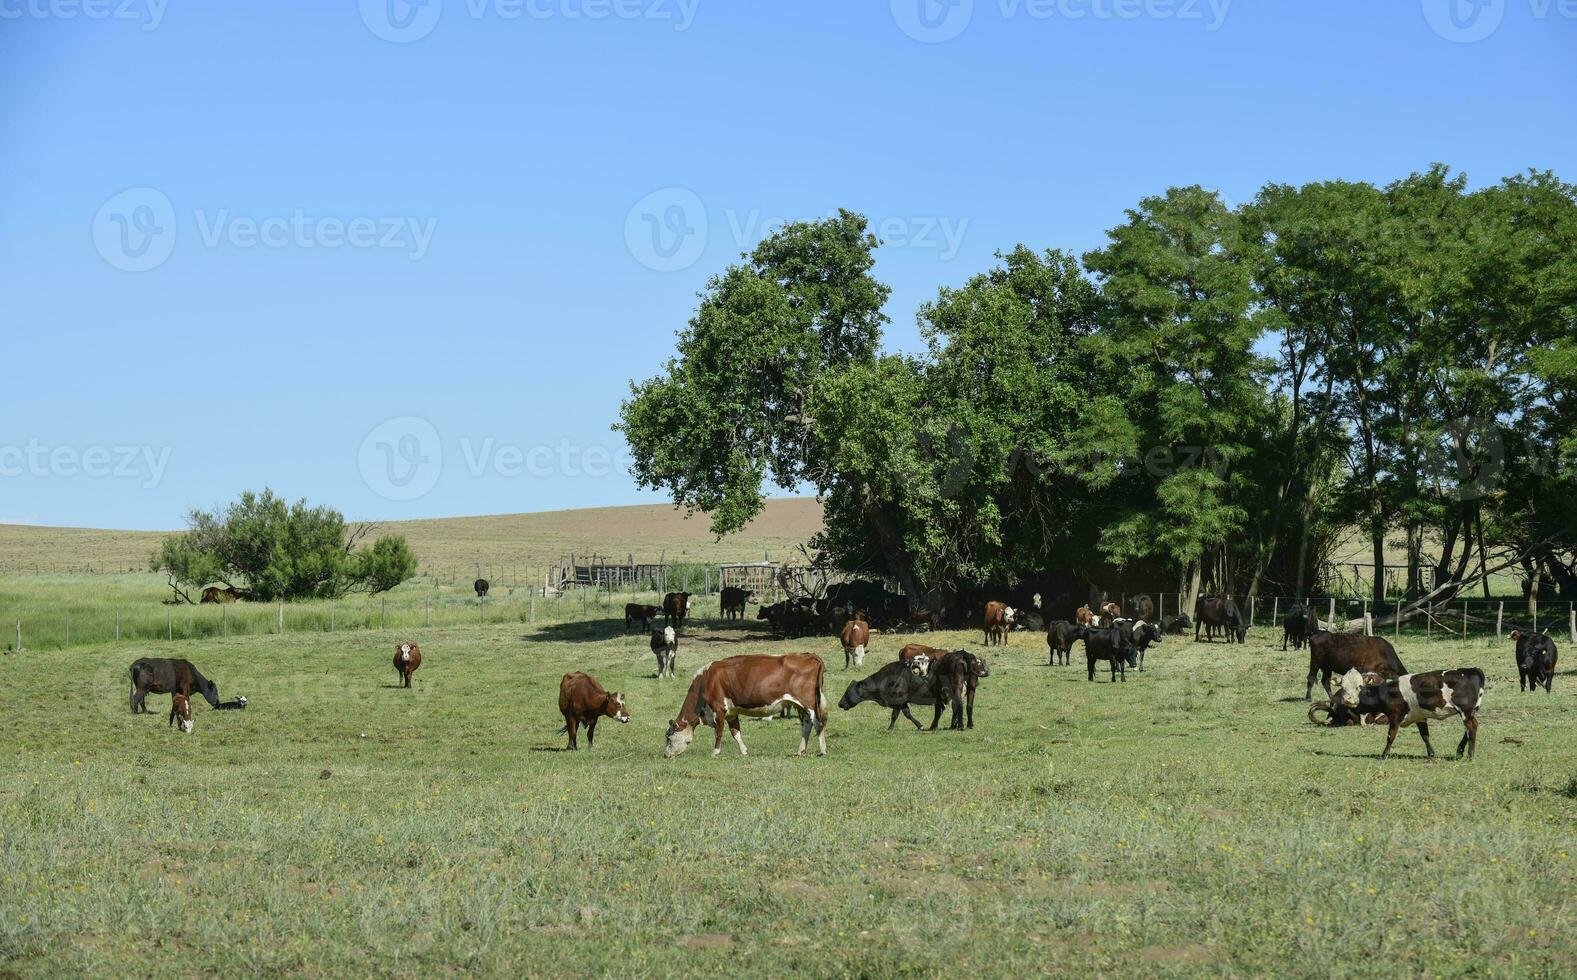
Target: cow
{"points": [[788, 618], [1417, 699], [756, 686], [856, 637], [955, 678], [998, 621], [181, 708], [676, 608], [1112, 645], [1085, 616], [733, 602], [896, 686], [1337, 653], [1300, 626], [582, 701], [638, 612], [157, 675], [1176, 625], [213, 595], [1536, 656], [665, 644], [481, 586], [1060, 637], [1140, 635], [1110, 612], [1220, 611], [1141, 607], [407, 657]]}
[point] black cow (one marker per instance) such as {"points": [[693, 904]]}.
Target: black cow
{"points": [[895, 686], [1060, 637], [1141, 607], [481, 587], [1140, 635], [733, 602], [1535, 660], [1176, 625], [1300, 626], [1112, 645], [639, 612], [159, 675], [789, 618], [956, 678], [1220, 611]]}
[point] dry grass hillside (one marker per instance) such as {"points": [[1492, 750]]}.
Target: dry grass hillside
{"points": [[646, 531]]}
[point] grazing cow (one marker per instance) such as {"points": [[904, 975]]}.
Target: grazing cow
{"points": [[1176, 625], [1535, 660], [1141, 607], [733, 602], [1140, 635], [856, 637], [788, 618], [756, 686], [896, 686], [998, 621], [955, 679], [1060, 637], [1085, 616], [158, 675], [1220, 611], [1417, 699], [1112, 645], [181, 707], [1300, 626], [582, 701], [215, 595], [676, 608], [665, 644], [1110, 613], [1337, 653], [637, 612], [481, 587], [407, 657]]}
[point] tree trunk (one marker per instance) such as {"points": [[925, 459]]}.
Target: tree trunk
{"points": [[1194, 575], [899, 564], [1377, 542]]}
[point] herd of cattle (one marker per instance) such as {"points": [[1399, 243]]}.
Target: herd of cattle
{"points": [[1371, 686]]}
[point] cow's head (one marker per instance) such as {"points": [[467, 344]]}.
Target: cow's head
{"points": [[670, 638], [1008, 612], [855, 695], [210, 692], [1349, 690], [1037, 600], [183, 711], [687, 602], [765, 612], [921, 665], [615, 708], [680, 735], [1146, 633]]}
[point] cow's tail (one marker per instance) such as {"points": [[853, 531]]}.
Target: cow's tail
{"points": [[821, 690]]}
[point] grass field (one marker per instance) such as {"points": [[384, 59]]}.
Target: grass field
{"points": [[507, 546], [1189, 820]]}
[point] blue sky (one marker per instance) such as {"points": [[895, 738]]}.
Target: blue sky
{"points": [[406, 260]]}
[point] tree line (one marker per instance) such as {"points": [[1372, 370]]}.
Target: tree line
{"points": [[1217, 395]]}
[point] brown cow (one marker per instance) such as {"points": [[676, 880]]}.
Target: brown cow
{"points": [[856, 637], [1337, 653], [676, 608], [181, 707], [1111, 612], [753, 685], [637, 612], [214, 595], [998, 621], [582, 701], [407, 657], [1084, 616]]}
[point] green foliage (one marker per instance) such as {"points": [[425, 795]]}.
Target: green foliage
{"points": [[269, 549]]}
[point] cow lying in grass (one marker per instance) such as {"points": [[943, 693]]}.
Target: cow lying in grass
{"points": [[1417, 699]]}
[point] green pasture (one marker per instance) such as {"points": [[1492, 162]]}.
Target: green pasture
{"points": [[1187, 821]]}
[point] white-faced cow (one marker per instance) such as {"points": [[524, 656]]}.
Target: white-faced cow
{"points": [[998, 622], [407, 657], [755, 686], [665, 644], [1535, 660], [856, 637], [1110, 612], [582, 701], [1417, 699], [181, 709]]}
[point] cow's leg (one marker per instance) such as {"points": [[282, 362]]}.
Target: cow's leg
{"points": [[1308, 690], [1549, 678], [936, 716], [572, 723], [1325, 682], [1092, 668], [821, 733], [1423, 731], [893, 724], [909, 715], [591, 733], [1469, 736], [739, 738], [806, 723], [971, 707], [1283, 641], [1390, 737], [717, 744]]}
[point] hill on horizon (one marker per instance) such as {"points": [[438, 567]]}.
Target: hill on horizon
{"points": [[452, 545]]}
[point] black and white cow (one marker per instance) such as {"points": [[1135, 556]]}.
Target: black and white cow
{"points": [[1417, 699], [665, 644]]}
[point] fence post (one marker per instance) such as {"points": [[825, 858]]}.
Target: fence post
{"points": [[1252, 605], [1464, 621], [1331, 616], [1572, 612], [481, 609], [1500, 621], [1275, 610], [281, 617], [1368, 623], [169, 624], [117, 627], [533, 606], [19, 636]]}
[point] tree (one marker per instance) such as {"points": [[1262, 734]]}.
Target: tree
{"points": [[269, 550]]}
